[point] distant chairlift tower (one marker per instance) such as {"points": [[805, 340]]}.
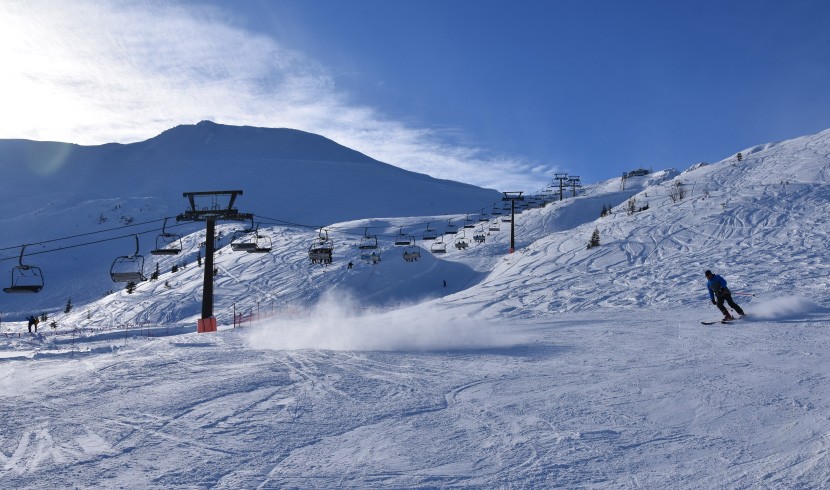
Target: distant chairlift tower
{"points": [[575, 182], [206, 206], [512, 197], [561, 178]]}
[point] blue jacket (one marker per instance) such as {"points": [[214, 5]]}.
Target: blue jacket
{"points": [[717, 287]]}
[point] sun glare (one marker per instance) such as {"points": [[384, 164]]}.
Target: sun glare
{"points": [[34, 60]]}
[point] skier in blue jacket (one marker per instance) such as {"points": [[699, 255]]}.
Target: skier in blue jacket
{"points": [[717, 289]]}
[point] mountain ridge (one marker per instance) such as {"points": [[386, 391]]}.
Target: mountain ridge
{"points": [[297, 166]]}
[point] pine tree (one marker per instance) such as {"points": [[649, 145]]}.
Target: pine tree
{"points": [[594, 239], [130, 287], [68, 307]]}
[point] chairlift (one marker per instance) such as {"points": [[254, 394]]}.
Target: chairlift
{"points": [[128, 268], [368, 242], [461, 242], [411, 253], [494, 226], [429, 234], [438, 247], [25, 278], [507, 218], [402, 239], [451, 228], [244, 240], [480, 236], [370, 256], [496, 211], [262, 244], [255, 243], [469, 223], [167, 243], [321, 249], [483, 218]]}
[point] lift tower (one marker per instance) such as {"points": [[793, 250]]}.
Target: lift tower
{"points": [[210, 207], [561, 178], [512, 197]]}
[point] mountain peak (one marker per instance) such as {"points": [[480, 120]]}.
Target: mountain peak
{"points": [[209, 140]]}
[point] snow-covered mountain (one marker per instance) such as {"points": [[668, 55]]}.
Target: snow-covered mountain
{"points": [[56, 190], [286, 173], [557, 365]]}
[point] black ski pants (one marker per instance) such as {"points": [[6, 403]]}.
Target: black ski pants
{"points": [[727, 297]]}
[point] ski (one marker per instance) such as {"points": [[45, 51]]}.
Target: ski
{"points": [[727, 322]]}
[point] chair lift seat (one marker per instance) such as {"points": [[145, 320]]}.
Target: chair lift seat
{"points": [[411, 254], [128, 269], [243, 247], [25, 279], [167, 243], [262, 245], [23, 289]]}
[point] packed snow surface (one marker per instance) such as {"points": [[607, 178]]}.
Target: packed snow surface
{"points": [[557, 365]]}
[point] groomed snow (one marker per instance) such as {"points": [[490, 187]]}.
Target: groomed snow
{"points": [[557, 365]]}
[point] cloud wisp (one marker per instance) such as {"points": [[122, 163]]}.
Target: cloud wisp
{"points": [[126, 71]]}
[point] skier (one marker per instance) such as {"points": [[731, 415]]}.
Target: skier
{"points": [[717, 289]]}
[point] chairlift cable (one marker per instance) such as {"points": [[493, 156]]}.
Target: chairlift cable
{"points": [[68, 247], [91, 233]]}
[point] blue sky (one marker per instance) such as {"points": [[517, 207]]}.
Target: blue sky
{"points": [[495, 93]]}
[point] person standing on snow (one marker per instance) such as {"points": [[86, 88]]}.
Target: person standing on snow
{"points": [[717, 289], [33, 321]]}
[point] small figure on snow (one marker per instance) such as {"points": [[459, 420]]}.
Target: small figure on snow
{"points": [[33, 321], [717, 289]]}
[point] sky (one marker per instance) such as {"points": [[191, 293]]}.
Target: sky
{"points": [[494, 93]]}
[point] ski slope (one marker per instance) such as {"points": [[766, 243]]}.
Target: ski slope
{"points": [[557, 365]]}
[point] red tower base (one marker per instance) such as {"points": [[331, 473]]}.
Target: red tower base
{"points": [[206, 325]]}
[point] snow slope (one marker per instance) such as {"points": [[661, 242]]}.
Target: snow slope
{"points": [[55, 190], [557, 365]]}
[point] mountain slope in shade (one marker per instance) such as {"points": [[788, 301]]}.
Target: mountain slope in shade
{"points": [[285, 173]]}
